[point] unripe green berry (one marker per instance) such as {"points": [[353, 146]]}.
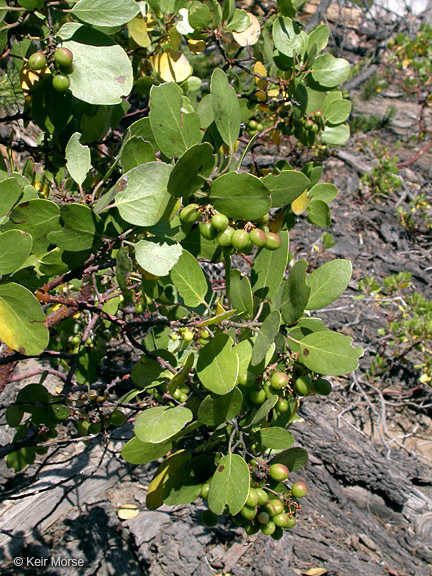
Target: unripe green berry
{"points": [[190, 213], [322, 386], [187, 336], [269, 528], [282, 405], [37, 61], [263, 517], [303, 386], [252, 499], [240, 239], [63, 57], [279, 380], [248, 512], [61, 82], [209, 518], [258, 237], [273, 241], [220, 222], [257, 396], [279, 472], [263, 497], [299, 489], [224, 238], [205, 490], [207, 231], [246, 379]]}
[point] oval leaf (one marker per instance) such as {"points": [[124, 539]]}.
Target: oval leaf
{"points": [[240, 196], [155, 425], [143, 196], [329, 71], [276, 438], [103, 13], [22, 320], [15, 248], [268, 332], [269, 269], [215, 411], [102, 71], [286, 187], [157, 255], [78, 161], [329, 353], [189, 279], [229, 485], [328, 282], [192, 170], [217, 366], [226, 107], [240, 294], [137, 452]]}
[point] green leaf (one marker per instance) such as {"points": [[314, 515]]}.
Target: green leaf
{"points": [[329, 353], [318, 213], [287, 37], [286, 8], [10, 192], [143, 197], [217, 366], [105, 13], [226, 107], [240, 294], [148, 374], [78, 159], [328, 282], [244, 351], [269, 268], [239, 22], [181, 377], [320, 37], [50, 109], [313, 171], [325, 192], [228, 9], [189, 279], [331, 97], [122, 269], [199, 16], [137, 452], [263, 410], [174, 131], [276, 438], [102, 70], [82, 228], [22, 320], [38, 218], [184, 485], [294, 293], [217, 319], [155, 425], [136, 151], [157, 255], [192, 170], [240, 196], [265, 338], [336, 135], [15, 248], [286, 187], [293, 459], [337, 111], [329, 71], [229, 485], [205, 111], [304, 327], [216, 411]]}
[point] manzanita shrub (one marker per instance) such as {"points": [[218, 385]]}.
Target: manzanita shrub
{"points": [[111, 231]]}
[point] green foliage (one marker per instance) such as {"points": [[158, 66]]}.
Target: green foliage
{"points": [[383, 178], [115, 240], [408, 323]]}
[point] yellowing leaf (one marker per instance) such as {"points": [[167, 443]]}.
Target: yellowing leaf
{"points": [[156, 486], [300, 204], [172, 67], [260, 69], [29, 78], [315, 572], [127, 512], [196, 46], [219, 308], [250, 36], [138, 32]]}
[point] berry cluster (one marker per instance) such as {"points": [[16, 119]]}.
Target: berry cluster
{"points": [[265, 509], [63, 66], [218, 227]]}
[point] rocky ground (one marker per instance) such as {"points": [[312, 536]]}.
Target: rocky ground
{"points": [[369, 511]]}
